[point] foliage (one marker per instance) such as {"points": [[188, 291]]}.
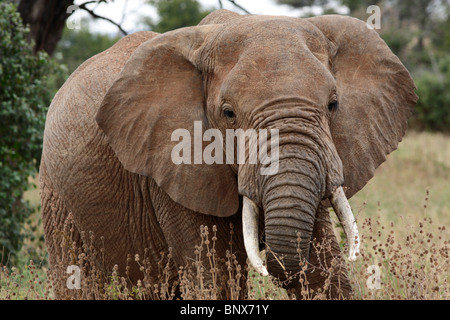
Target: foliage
{"points": [[174, 14], [303, 3], [440, 34], [396, 40], [353, 5], [24, 97], [78, 45], [432, 111]]}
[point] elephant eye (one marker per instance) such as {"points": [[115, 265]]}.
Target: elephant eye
{"points": [[333, 105], [229, 113]]}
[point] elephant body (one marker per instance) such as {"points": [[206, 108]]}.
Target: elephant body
{"points": [[106, 162], [124, 209]]}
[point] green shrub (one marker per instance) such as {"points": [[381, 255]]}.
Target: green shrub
{"points": [[78, 45], [24, 98], [397, 41], [433, 108]]}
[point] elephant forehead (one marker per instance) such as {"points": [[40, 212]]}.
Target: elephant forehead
{"points": [[267, 33], [263, 76], [264, 52]]}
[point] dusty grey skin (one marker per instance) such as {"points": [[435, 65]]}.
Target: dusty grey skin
{"points": [[107, 141]]}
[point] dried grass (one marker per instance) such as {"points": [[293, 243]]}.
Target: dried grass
{"points": [[411, 267]]}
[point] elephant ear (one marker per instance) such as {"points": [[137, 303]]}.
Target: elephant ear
{"points": [[160, 90], [375, 93]]}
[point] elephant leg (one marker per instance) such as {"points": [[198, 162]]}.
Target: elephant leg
{"points": [[210, 254], [326, 273], [61, 237], [193, 245]]}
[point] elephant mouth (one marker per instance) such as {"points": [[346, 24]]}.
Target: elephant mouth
{"points": [[341, 206]]}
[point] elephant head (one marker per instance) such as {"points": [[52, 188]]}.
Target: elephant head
{"points": [[337, 95]]}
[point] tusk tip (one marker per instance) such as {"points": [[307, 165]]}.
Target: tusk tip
{"points": [[263, 271], [353, 255], [352, 258]]}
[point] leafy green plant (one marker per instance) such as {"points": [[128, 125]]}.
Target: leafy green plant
{"points": [[24, 97], [78, 45], [432, 111], [174, 14]]}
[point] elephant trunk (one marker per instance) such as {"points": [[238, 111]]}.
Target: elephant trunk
{"points": [[250, 230], [290, 200]]}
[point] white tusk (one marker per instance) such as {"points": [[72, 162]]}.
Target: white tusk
{"points": [[344, 213], [250, 215]]}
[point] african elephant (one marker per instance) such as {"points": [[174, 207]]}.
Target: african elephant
{"points": [[339, 98]]}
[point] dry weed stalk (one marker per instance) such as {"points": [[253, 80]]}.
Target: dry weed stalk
{"points": [[414, 267]]}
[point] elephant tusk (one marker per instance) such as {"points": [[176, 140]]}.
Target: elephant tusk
{"points": [[250, 215], [344, 213]]}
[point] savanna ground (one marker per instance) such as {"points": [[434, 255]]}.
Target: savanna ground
{"points": [[403, 216]]}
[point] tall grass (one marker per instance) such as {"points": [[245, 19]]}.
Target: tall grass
{"points": [[403, 216], [415, 175]]}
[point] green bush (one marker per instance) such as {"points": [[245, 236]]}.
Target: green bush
{"points": [[174, 14], [433, 108], [397, 40], [24, 98], [78, 45]]}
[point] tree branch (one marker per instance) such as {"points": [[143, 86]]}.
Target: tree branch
{"points": [[238, 6], [96, 16], [89, 2]]}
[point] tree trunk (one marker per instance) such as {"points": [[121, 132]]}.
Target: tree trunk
{"points": [[46, 19]]}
